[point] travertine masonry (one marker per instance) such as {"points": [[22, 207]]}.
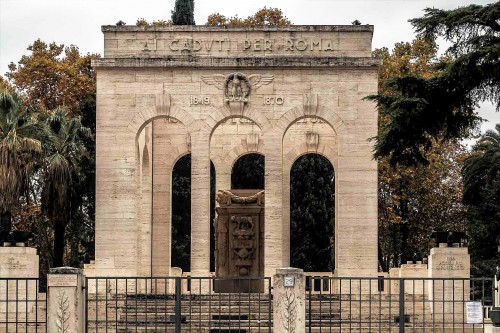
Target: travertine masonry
{"points": [[163, 93]]}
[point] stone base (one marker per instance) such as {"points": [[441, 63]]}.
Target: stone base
{"points": [[22, 263]]}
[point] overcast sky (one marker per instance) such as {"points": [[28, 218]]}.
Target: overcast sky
{"points": [[78, 22]]}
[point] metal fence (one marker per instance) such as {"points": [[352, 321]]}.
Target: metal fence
{"points": [[397, 304], [22, 307], [178, 304]]}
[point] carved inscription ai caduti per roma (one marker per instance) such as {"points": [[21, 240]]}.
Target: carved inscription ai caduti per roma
{"points": [[252, 45]]}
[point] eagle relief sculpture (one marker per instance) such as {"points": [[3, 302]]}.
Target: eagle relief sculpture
{"points": [[237, 86]]}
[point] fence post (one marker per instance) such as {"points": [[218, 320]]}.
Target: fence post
{"points": [[178, 314], [289, 306], [401, 305], [65, 300]]}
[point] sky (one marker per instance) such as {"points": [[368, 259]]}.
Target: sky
{"points": [[78, 22]]}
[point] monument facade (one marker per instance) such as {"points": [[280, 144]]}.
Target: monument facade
{"points": [[219, 93]]}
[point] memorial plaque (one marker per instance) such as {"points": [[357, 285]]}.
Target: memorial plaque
{"points": [[62, 280]]}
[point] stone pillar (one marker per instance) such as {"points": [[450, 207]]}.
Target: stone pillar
{"points": [[162, 175], [273, 235], [446, 263], [65, 300], [200, 204], [289, 305]]}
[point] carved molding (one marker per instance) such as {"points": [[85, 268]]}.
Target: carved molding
{"points": [[312, 141], [163, 104], [188, 141], [310, 104], [226, 198], [252, 141]]}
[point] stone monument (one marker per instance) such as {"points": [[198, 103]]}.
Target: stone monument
{"points": [[218, 93], [239, 241]]}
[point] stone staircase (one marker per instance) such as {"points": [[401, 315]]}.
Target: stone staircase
{"points": [[225, 313], [252, 313]]}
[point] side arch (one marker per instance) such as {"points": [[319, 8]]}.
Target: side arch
{"points": [[147, 115], [299, 112], [223, 114]]}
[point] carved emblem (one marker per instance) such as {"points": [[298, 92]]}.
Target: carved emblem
{"points": [[237, 86]]}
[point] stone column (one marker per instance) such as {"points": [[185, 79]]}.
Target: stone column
{"points": [[200, 204], [447, 263], [65, 300], [289, 306], [273, 235], [162, 175]]}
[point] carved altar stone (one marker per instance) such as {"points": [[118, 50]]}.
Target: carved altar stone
{"points": [[239, 237]]}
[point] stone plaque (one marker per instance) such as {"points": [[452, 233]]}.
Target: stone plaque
{"points": [[62, 280]]}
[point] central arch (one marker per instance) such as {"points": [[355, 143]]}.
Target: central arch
{"points": [[248, 172]]}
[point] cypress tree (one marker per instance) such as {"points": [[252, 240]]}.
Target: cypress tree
{"points": [[183, 13]]}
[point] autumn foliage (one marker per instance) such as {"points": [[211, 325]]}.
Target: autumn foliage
{"points": [[269, 17]]}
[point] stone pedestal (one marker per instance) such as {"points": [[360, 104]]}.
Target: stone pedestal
{"points": [[449, 295], [18, 262], [412, 272], [66, 301], [289, 306], [239, 248]]}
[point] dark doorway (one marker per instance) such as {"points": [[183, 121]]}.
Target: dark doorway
{"points": [[181, 214], [248, 172], [312, 214]]}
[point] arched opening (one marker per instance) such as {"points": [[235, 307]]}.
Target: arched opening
{"points": [[181, 214], [312, 213], [248, 172]]}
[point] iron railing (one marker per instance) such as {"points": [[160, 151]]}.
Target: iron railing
{"points": [[158, 304], [396, 304], [22, 307]]}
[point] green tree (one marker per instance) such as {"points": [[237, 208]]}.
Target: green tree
{"points": [[52, 76], [183, 13], [417, 198], [482, 167], [64, 152], [481, 172], [312, 213], [443, 106], [270, 17], [18, 150]]}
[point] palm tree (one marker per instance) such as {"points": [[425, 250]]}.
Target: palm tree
{"points": [[481, 168], [65, 150], [18, 147]]}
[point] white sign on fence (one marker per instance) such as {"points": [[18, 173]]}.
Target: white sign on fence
{"points": [[474, 312]]}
